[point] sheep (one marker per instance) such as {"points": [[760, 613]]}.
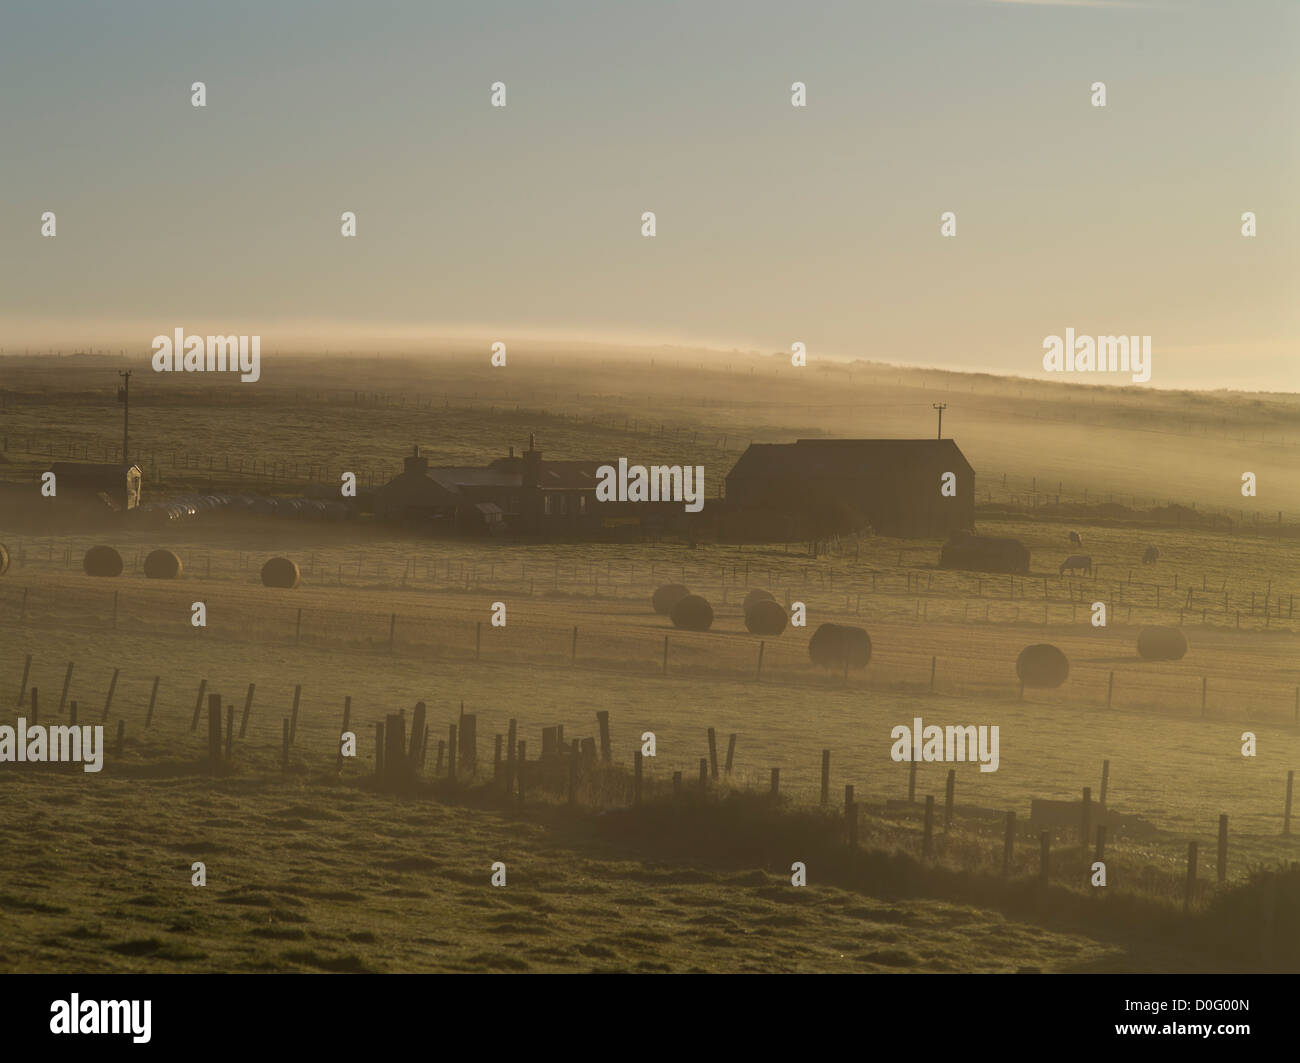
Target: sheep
{"points": [[1075, 562], [1074, 539]]}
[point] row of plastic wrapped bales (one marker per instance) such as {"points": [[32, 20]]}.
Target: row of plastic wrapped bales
{"points": [[189, 507]]}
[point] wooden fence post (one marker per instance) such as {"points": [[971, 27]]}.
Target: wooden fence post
{"points": [[468, 729], [451, 751], [713, 752], [636, 777], [198, 705], [826, 776], [496, 758], [67, 680], [22, 687], [1190, 887], [776, 781], [214, 732], [1286, 815], [153, 697], [950, 794], [911, 782], [293, 714], [379, 750], [1105, 782], [417, 737], [248, 708], [731, 752], [108, 701], [602, 718], [1085, 827]]}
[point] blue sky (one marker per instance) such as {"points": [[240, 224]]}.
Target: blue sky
{"points": [[775, 224]]}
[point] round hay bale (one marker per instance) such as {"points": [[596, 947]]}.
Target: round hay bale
{"points": [[4, 559], [102, 561], [280, 572], [755, 596], [667, 596], [837, 645], [692, 613], [765, 617], [162, 564], [1161, 644], [1042, 665]]}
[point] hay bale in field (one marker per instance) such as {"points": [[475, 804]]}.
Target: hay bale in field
{"points": [[692, 613], [765, 617], [1042, 665], [837, 645], [668, 596], [280, 572], [1162, 644], [162, 564], [102, 561], [4, 559], [755, 596]]}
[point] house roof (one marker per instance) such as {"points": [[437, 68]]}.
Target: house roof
{"points": [[570, 475], [843, 457]]}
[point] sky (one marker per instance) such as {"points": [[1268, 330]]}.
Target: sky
{"points": [[774, 224]]}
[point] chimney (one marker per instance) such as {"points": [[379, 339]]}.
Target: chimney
{"points": [[512, 453], [532, 463], [416, 464]]}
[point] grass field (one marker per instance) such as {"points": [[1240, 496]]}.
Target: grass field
{"points": [[317, 871]]}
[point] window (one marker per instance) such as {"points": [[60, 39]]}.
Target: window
{"points": [[546, 504]]}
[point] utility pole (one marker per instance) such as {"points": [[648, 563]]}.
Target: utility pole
{"points": [[940, 406], [124, 397]]}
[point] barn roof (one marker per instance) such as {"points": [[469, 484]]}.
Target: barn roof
{"points": [[844, 456]]}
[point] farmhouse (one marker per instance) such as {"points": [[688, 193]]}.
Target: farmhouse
{"points": [[520, 494], [834, 485], [116, 486]]}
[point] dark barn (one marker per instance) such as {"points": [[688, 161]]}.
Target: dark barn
{"points": [[837, 485]]}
